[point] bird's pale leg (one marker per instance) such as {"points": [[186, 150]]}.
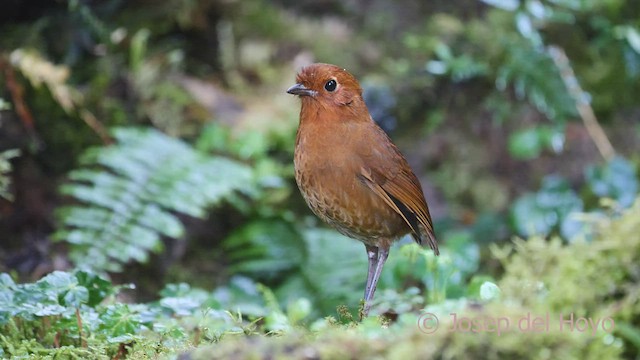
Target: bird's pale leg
{"points": [[372, 254], [383, 253]]}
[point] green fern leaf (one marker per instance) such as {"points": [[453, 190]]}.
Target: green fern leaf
{"points": [[315, 262], [131, 192], [535, 78]]}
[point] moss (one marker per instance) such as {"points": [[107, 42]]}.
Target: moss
{"points": [[562, 284], [584, 277], [406, 340]]}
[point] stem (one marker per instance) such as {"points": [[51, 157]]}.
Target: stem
{"points": [[56, 339], [83, 342], [585, 110], [95, 124], [17, 95]]}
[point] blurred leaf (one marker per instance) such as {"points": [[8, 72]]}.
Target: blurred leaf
{"points": [[393, 301], [534, 77], [39, 70], [529, 143], [489, 291], [131, 194], [488, 227], [214, 137], [509, 5], [182, 300], [265, 248], [138, 48], [41, 310], [629, 332], [65, 286], [249, 144], [631, 35], [526, 29], [98, 287], [617, 180], [180, 306], [5, 169], [240, 294], [465, 253], [475, 284], [539, 213], [525, 144], [447, 274], [119, 320], [298, 310], [459, 68], [335, 269]]}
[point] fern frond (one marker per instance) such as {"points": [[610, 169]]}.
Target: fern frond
{"points": [[5, 169], [131, 192], [315, 262], [534, 77]]}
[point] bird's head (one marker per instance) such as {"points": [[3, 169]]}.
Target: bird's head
{"points": [[327, 85]]}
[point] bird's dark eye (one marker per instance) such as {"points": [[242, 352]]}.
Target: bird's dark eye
{"points": [[330, 85]]}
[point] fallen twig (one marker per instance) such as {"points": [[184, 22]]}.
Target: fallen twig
{"points": [[585, 110]]}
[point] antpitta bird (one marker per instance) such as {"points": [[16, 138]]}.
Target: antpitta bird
{"points": [[350, 173]]}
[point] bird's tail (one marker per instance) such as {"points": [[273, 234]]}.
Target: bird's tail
{"points": [[427, 237]]}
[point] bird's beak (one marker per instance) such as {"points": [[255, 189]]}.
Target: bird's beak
{"points": [[300, 90]]}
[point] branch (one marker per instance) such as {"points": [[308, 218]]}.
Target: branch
{"points": [[17, 95], [585, 110]]}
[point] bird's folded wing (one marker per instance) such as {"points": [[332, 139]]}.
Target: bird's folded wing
{"points": [[401, 192]]}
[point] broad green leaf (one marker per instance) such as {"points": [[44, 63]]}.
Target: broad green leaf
{"points": [[539, 213], [119, 320], [98, 287], [617, 180]]}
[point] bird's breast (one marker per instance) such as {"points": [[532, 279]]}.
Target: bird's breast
{"points": [[327, 172]]}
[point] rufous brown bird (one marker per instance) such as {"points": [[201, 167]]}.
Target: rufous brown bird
{"points": [[350, 173]]}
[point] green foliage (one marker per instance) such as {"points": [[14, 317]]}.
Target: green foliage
{"points": [[553, 276], [128, 66], [73, 314], [534, 77], [616, 180], [55, 309], [264, 250], [567, 23], [131, 192], [512, 70], [556, 207], [404, 340], [530, 143], [458, 68], [300, 258], [443, 276], [548, 209], [413, 268], [541, 279], [5, 168]]}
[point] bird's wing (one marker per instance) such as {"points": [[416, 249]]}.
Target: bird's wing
{"points": [[394, 182]]}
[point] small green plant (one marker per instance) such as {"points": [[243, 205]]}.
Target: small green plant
{"points": [[304, 258], [131, 192], [60, 310], [77, 315]]}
